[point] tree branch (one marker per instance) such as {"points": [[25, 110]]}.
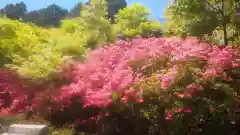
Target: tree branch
{"points": [[209, 4], [219, 6], [237, 5]]}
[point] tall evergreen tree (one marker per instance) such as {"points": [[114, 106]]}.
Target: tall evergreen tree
{"points": [[75, 11], [50, 16], [16, 11], [113, 8]]}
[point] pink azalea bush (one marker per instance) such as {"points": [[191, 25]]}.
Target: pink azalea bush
{"points": [[176, 76], [19, 95], [118, 68], [13, 98]]}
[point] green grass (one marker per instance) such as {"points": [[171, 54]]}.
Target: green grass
{"points": [[61, 131], [8, 120]]}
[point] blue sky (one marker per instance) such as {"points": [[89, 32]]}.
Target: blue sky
{"points": [[156, 6]]}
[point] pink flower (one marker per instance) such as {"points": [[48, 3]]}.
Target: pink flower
{"points": [[210, 73], [93, 118], [235, 64], [165, 82], [187, 110], [194, 87], [184, 95], [212, 110], [130, 92], [107, 114], [141, 101], [116, 68], [183, 110], [124, 100], [168, 116]]}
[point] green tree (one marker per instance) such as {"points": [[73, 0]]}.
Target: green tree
{"points": [[53, 14], [75, 11], [114, 6], [1, 14], [71, 26], [93, 24], [68, 43], [47, 17], [200, 17], [16, 11], [150, 29], [134, 20], [25, 49], [34, 17]]}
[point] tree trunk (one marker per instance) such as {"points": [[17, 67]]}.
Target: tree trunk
{"points": [[224, 25], [225, 34]]}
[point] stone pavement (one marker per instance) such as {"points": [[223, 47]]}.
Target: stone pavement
{"points": [[20, 129]]}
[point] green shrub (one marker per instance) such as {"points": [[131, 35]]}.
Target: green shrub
{"points": [[27, 49]]}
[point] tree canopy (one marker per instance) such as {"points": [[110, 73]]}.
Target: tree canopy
{"points": [[16, 11], [201, 17], [134, 20], [114, 6], [27, 49], [75, 11], [49, 16]]}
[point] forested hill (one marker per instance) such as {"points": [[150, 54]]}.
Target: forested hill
{"points": [[52, 14]]}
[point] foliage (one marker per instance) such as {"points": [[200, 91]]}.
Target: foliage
{"points": [[67, 43], [133, 21], [75, 11], [51, 15], [61, 131], [183, 23], [47, 17], [150, 29], [12, 95], [15, 11], [1, 15], [164, 86], [200, 18], [159, 85], [33, 17], [120, 58], [36, 52], [217, 36], [97, 28], [71, 26], [185, 79], [92, 25], [27, 49], [114, 6]]}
